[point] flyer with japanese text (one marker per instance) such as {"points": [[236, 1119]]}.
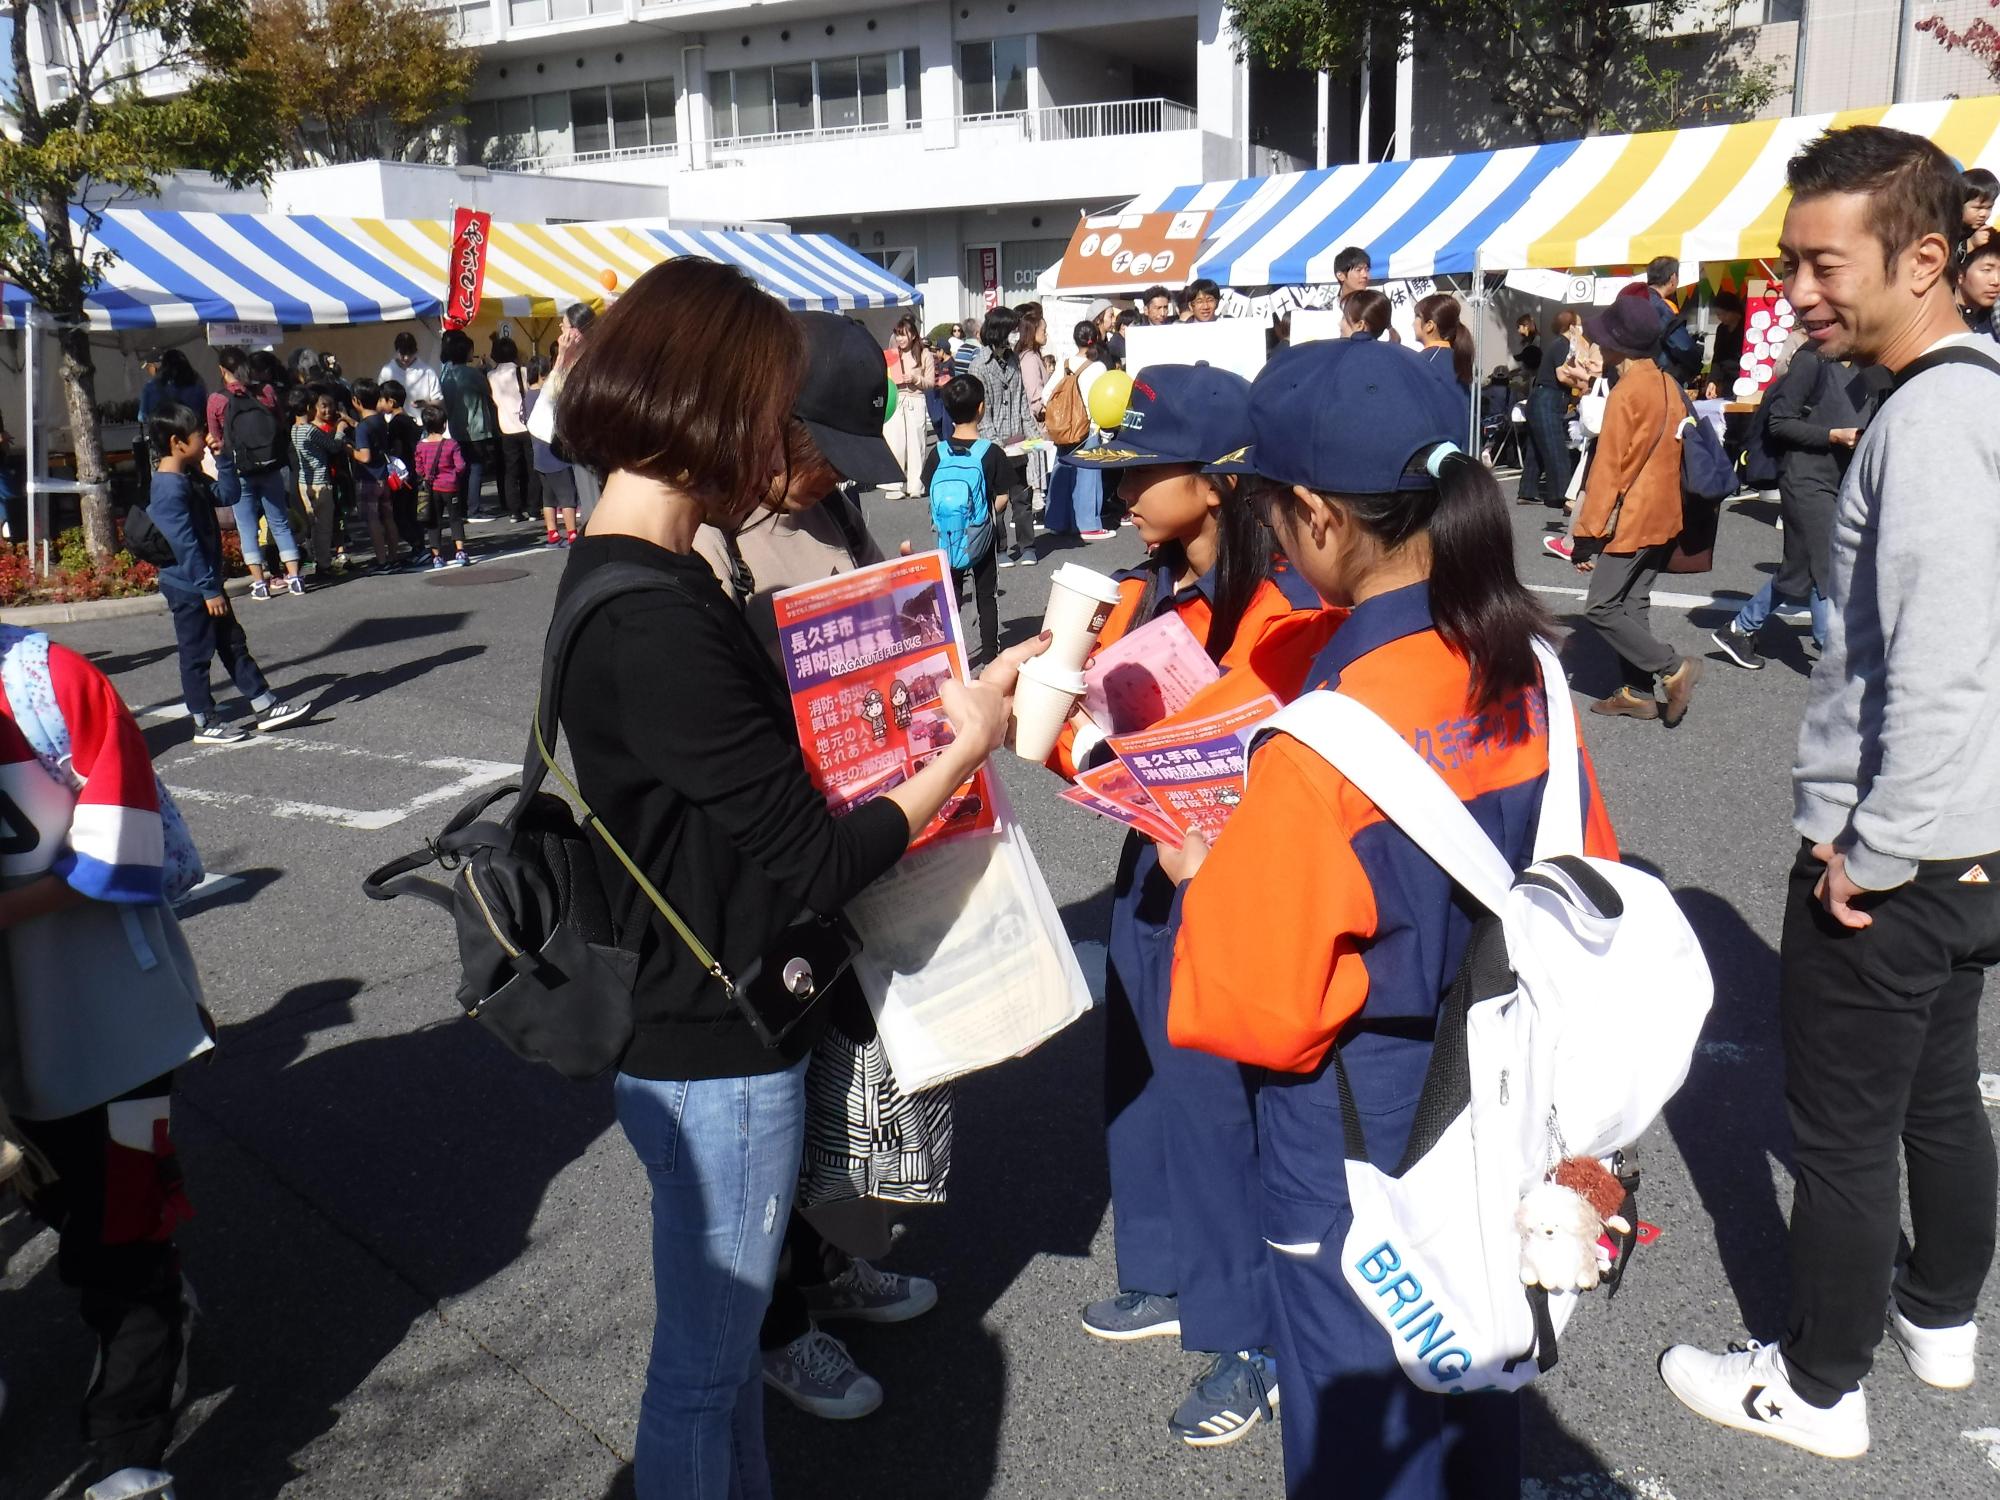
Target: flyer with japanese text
{"points": [[1195, 770], [1111, 791], [864, 655], [1145, 675]]}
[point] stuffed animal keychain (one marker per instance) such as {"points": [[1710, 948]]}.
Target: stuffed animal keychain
{"points": [[1562, 1220]]}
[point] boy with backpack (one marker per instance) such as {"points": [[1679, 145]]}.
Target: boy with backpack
{"points": [[205, 627], [247, 432], [967, 478], [371, 473]]}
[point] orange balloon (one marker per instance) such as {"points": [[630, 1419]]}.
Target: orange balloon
{"points": [[610, 280]]}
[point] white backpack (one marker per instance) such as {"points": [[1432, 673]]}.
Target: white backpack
{"points": [[1570, 1025]]}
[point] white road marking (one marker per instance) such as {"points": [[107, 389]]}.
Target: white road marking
{"points": [[1987, 1438], [1612, 1486], [1664, 598], [472, 774], [211, 885]]}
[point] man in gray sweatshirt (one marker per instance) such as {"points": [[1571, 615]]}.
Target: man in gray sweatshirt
{"points": [[1893, 916]]}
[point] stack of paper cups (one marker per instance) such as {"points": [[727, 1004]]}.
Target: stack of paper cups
{"points": [[1044, 698], [1080, 601]]}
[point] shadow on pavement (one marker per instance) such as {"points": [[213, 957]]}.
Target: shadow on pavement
{"points": [[1028, 1180], [427, 1152], [385, 630], [1728, 1120]]}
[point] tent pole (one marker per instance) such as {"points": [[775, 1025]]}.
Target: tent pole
{"points": [[1478, 342], [31, 472]]}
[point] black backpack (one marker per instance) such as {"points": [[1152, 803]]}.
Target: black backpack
{"points": [[250, 434], [540, 962], [146, 541]]}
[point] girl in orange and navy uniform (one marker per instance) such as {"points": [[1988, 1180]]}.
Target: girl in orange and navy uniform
{"points": [[1316, 924], [1179, 1133]]}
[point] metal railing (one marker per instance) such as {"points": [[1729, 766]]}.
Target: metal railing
{"points": [[825, 133], [1082, 122], [556, 162]]}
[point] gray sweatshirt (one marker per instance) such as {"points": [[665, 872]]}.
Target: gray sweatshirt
{"points": [[1899, 754]]}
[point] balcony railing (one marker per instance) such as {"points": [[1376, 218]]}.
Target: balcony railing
{"points": [[1083, 122], [556, 162], [1063, 122]]}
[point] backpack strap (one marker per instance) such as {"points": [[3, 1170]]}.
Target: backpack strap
{"points": [[1358, 743], [1954, 354]]}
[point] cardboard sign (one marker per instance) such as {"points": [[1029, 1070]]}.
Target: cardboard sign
{"points": [[1132, 250], [1236, 344], [465, 271]]}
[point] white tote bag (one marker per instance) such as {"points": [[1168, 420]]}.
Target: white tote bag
{"points": [[1569, 1026], [1590, 406], [964, 958]]}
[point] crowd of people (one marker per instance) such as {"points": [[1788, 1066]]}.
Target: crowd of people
{"points": [[1321, 527]]}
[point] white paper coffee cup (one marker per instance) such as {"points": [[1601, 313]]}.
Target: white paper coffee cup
{"points": [[1080, 601], [1044, 698]]}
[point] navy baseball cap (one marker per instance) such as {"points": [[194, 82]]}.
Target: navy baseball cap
{"points": [[1346, 416], [1178, 414]]}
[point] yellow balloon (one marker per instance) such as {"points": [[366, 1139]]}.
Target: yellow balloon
{"points": [[1109, 398]]}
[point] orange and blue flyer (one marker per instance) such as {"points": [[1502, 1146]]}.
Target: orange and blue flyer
{"points": [[1110, 791], [1194, 770], [864, 655]]}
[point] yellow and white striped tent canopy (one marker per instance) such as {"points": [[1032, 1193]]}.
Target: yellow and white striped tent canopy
{"points": [[1713, 193], [311, 269]]}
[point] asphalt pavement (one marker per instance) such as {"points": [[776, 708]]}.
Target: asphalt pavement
{"points": [[423, 1266]]}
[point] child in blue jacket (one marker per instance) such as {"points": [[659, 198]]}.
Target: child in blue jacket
{"points": [[205, 627]]}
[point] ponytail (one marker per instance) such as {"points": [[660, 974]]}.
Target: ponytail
{"points": [[1441, 311], [1480, 606]]}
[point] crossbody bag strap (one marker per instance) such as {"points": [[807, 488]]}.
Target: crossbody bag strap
{"points": [[1560, 829], [591, 593]]}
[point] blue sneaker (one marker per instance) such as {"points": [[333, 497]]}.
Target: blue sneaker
{"points": [[1133, 1315], [1234, 1394]]}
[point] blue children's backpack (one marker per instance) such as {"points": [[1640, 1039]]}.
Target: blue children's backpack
{"points": [[961, 510]]}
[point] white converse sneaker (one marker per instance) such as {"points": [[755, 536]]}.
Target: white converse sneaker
{"points": [[1749, 1389], [1942, 1357]]}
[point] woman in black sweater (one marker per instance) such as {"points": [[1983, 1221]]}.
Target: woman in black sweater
{"points": [[685, 745]]}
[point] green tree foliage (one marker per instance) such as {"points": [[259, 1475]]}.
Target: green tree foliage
{"points": [[131, 90], [1552, 69], [359, 80]]}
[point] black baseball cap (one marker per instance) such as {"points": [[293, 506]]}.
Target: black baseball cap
{"points": [[845, 398]]}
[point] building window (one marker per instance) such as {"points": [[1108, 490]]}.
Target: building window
{"points": [[840, 93], [993, 76], [623, 117]]}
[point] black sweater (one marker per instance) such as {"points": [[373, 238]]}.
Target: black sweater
{"points": [[685, 746]]}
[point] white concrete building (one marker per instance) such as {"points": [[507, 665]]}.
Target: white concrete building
{"points": [[956, 141]]}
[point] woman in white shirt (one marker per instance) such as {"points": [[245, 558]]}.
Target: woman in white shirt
{"points": [[517, 450]]}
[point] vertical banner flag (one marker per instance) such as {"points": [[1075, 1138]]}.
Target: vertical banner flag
{"points": [[989, 276], [1767, 327], [465, 272]]}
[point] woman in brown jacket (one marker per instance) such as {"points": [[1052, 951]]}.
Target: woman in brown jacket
{"points": [[1632, 513]]}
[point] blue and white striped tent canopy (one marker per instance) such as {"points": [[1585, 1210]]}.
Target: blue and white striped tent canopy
{"points": [[311, 269], [1711, 193]]}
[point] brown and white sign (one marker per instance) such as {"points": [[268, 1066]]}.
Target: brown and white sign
{"points": [[1135, 250]]}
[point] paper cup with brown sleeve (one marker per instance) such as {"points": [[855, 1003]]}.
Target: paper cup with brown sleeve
{"points": [[1080, 601], [1044, 697]]}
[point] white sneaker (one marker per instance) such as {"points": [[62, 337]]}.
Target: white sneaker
{"points": [[1942, 1357], [133, 1484], [1748, 1389], [816, 1374]]}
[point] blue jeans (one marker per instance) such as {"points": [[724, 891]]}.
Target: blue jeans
{"points": [[1750, 619], [267, 494], [723, 1156]]}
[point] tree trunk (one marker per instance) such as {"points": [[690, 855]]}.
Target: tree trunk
{"points": [[79, 382]]}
